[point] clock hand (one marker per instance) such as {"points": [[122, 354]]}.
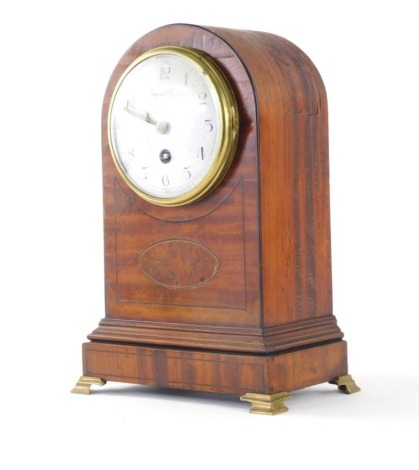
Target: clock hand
{"points": [[161, 126]]}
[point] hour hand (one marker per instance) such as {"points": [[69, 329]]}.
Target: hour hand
{"points": [[161, 126]]}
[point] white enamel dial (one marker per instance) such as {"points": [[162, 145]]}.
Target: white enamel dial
{"points": [[173, 126]]}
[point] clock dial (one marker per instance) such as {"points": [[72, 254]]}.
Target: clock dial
{"points": [[173, 125]]}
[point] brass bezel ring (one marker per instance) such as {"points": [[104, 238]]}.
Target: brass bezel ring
{"points": [[229, 126]]}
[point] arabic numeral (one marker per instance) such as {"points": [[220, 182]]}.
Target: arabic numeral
{"points": [[202, 98], [208, 126], [186, 173], [165, 180], [165, 72]]}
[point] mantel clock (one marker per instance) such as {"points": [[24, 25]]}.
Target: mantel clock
{"points": [[216, 220]]}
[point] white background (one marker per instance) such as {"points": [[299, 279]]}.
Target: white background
{"points": [[56, 59]]}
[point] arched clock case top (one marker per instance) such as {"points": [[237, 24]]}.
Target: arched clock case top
{"points": [[229, 292]]}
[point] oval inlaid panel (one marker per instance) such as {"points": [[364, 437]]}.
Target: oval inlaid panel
{"points": [[179, 263]]}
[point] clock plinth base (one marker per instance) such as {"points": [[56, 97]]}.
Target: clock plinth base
{"points": [[84, 383], [267, 404], [257, 378], [346, 384]]}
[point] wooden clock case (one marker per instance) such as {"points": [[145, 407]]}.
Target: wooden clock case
{"points": [[233, 293]]}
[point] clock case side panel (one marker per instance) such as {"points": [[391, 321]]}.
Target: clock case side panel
{"points": [[141, 311], [294, 191]]}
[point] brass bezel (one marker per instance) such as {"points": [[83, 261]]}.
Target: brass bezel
{"points": [[229, 122]]}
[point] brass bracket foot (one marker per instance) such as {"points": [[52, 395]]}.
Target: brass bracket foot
{"points": [[266, 404], [84, 384], [346, 383]]}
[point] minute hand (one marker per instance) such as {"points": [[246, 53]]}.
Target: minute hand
{"points": [[161, 126]]}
